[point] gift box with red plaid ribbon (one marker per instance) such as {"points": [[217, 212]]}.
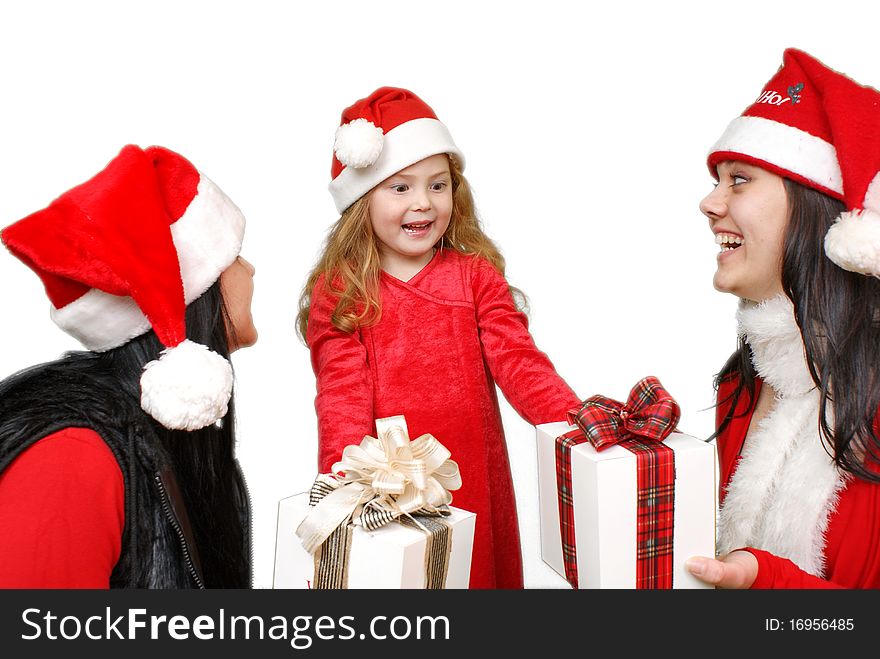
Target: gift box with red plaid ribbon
{"points": [[624, 499]]}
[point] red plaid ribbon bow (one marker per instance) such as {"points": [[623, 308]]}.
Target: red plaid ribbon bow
{"points": [[640, 426]]}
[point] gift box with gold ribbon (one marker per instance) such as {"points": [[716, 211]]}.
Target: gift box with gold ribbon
{"points": [[624, 499], [382, 519]]}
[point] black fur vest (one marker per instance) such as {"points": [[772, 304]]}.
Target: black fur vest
{"points": [[158, 546]]}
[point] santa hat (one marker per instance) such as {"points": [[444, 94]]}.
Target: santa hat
{"points": [[124, 253], [381, 134], [819, 128]]}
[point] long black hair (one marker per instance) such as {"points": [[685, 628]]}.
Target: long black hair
{"points": [[838, 314], [204, 459]]}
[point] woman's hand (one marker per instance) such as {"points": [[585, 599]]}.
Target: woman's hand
{"points": [[738, 569]]}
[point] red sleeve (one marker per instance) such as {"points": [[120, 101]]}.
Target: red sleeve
{"points": [[852, 539], [776, 572], [61, 513], [344, 402], [525, 374]]}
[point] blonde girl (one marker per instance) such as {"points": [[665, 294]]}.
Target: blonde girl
{"points": [[408, 312]]}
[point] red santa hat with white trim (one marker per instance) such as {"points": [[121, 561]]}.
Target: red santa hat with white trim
{"points": [[822, 129], [381, 134], [124, 253]]}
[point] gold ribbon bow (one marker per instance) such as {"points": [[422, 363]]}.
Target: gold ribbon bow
{"points": [[384, 478]]}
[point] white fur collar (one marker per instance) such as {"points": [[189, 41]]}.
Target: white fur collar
{"points": [[777, 348], [785, 486]]}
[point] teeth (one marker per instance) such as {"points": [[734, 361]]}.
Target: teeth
{"points": [[725, 239]]}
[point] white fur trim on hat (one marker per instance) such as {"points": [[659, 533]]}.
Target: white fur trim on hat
{"points": [[208, 239], [101, 321], [784, 146], [187, 388], [872, 195], [358, 143], [853, 241], [404, 145]]}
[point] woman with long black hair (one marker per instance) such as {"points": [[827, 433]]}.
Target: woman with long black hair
{"points": [[795, 213], [117, 465]]}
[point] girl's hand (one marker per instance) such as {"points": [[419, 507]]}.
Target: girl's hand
{"points": [[738, 569]]}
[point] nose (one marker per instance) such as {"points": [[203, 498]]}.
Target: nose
{"points": [[248, 265], [421, 200], [714, 204]]}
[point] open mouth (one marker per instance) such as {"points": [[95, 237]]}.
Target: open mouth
{"points": [[728, 242], [417, 228]]}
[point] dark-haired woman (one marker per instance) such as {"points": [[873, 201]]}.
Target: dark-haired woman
{"points": [[117, 465], [795, 213]]}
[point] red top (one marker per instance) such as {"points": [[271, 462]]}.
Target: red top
{"points": [[61, 513], [852, 547], [444, 339]]}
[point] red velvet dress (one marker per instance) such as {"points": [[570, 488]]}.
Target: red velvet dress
{"points": [[852, 548], [445, 338]]}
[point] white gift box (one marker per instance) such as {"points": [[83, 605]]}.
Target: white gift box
{"points": [[390, 557], [604, 496]]}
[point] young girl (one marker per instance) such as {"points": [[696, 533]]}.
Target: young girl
{"points": [[795, 212], [117, 465], [408, 312]]}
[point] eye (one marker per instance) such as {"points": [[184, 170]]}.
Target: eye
{"points": [[738, 179], [439, 186], [400, 187]]}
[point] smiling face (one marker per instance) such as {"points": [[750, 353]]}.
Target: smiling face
{"points": [[748, 212], [410, 212]]}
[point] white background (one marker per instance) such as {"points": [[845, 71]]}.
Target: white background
{"points": [[585, 127]]}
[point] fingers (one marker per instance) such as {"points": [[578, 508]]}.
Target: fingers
{"points": [[736, 570], [706, 569]]}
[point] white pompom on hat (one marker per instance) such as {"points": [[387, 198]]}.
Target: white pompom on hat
{"points": [[822, 129], [126, 252], [188, 387], [358, 143], [381, 134]]}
